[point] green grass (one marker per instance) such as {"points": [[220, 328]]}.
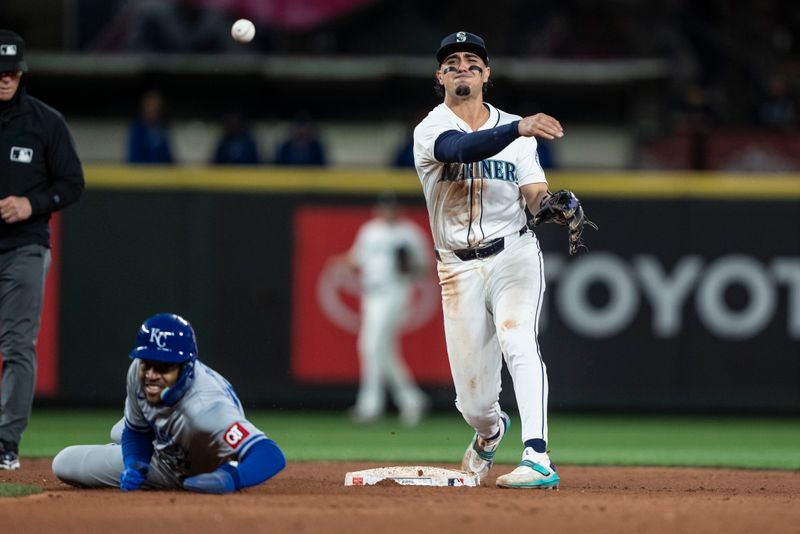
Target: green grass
{"points": [[8, 489], [749, 442]]}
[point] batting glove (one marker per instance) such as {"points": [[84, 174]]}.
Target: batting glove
{"points": [[133, 476], [224, 480]]}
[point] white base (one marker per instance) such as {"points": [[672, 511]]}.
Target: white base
{"points": [[412, 475]]}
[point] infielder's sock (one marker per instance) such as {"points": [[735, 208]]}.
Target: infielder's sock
{"points": [[538, 445]]}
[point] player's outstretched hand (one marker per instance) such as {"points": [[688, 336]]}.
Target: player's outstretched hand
{"points": [[223, 480], [540, 125], [133, 476]]}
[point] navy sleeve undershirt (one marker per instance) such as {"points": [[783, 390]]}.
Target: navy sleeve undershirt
{"points": [[454, 146]]}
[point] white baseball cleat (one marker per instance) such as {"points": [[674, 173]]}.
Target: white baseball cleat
{"points": [[535, 471], [479, 455], [363, 417]]}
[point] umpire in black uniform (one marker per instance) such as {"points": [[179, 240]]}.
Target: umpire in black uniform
{"points": [[39, 173]]}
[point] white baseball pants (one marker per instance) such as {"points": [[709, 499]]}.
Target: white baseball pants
{"points": [[491, 311]]}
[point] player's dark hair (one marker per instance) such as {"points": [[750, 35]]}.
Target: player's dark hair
{"points": [[439, 90]]}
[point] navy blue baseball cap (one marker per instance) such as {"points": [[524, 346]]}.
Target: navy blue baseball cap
{"points": [[12, 48], [462, 42]]}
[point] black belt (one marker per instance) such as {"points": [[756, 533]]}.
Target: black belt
{"points": [[486, 250]]}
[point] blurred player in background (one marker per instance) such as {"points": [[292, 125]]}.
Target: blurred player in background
{"points": [[184, 427], [39, 173], [390, 252], [479, 170]]}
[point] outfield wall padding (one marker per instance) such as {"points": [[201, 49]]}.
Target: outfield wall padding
{"points": [[688, 298]]}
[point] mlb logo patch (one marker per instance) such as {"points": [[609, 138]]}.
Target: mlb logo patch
{"points": [[235, 434], [21, 154], [8, 50]]}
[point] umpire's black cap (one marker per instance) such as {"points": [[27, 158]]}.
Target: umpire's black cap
{"points": [[12, 49], [462, 42]]}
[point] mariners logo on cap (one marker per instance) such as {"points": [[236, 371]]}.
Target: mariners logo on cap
{"points": [[461, 37], [8, 50]]}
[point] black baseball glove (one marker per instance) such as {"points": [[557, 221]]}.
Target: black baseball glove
{"points": [[403, 260], [564, 208]]}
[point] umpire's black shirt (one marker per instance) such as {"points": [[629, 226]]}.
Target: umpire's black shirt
{"points": [[38, 161]]}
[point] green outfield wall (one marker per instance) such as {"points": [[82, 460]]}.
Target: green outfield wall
{"points": [[689, 298]]}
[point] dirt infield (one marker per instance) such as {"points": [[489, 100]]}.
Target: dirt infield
{"points": [[310, 497]]}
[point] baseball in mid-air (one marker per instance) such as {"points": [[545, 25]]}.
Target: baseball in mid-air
{"points": [[243, 31]]}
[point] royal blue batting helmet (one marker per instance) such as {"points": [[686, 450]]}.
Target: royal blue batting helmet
{"points": [[165, 337]]}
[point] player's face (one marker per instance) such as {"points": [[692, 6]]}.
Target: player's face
{"points": [[463, 74], [388, 212], [155, 377], [9, 82]]}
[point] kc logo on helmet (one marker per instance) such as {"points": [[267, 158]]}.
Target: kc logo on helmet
{"points": [[235, 435], [461, 37], [159, 337]]}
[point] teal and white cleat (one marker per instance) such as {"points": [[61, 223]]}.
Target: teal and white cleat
{"points": [[479, 456], [535, 471]]}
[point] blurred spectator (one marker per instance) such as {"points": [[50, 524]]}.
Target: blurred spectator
{"points": [[149, 136], [544, 152], [238, 145], [176, 26], [404, 156], [303, 147], [694, 116], [778, 108]]}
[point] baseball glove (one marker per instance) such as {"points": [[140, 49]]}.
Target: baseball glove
{"points": [[403, 258], [564, 208]]}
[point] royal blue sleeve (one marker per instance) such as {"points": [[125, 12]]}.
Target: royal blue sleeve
{"points": [[454, 146], [263, 461], [137, 447]]}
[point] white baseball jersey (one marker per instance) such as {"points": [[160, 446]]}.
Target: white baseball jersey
{"points": [[375, 251], [471, 203], [205, 428]]}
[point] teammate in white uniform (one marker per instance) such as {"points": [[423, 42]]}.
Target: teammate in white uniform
{"points": [[184, 427], [479, 171], [390, 252]]}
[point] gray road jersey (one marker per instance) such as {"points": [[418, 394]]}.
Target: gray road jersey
{"points": [[206, 428]]}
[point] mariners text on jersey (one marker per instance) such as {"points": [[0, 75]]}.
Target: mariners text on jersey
{"points": [[488, 169]]}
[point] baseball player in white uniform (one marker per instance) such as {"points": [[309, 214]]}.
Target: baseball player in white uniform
{"points": [[479, 171], [390, 252], [184, 427]]}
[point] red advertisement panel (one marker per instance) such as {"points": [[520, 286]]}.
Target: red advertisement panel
{"points": [[47, 343], [326, 316]]}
